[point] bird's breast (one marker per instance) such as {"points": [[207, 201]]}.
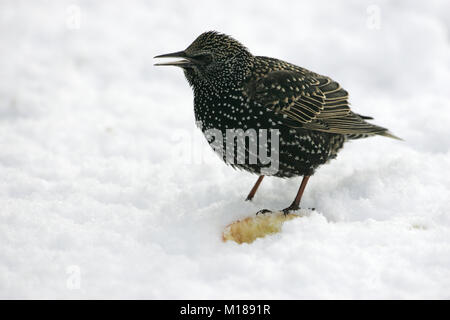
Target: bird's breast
{"points": [[233, 111]]}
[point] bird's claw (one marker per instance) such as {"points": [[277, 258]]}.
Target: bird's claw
{"points": [[289, 209], [263, 211]]}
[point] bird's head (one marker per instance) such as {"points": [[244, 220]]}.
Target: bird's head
{"points": [[213, 60]]}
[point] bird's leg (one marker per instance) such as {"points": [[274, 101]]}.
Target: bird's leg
{"points": [[295, 204], [252, 194], [255, 187]]}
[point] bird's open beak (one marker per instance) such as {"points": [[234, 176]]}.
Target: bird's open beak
{"points": [[186, 62]]}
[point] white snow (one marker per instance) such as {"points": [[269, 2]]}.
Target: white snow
{"points": [[108, 190]]}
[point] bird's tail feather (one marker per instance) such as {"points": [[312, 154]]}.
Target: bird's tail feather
{"points": [[388, 134]]}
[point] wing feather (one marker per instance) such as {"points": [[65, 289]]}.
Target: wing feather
{"points": [[312, 101]]}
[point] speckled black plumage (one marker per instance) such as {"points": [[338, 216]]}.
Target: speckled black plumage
{"points": [[234, 89]]}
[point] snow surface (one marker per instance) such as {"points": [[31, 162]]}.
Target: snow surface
{"points": [[108, 190]]}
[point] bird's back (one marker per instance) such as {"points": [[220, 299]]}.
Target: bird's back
{"points": [[307, 100]]}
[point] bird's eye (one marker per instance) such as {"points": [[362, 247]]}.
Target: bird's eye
{"points": [[203, 58]]}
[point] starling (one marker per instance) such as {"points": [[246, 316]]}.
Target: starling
{"points": [[233, 90]]}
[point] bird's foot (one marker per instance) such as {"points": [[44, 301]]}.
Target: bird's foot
{"points": [[249, 198], [263, 211], [289, 209], [292, 208]]}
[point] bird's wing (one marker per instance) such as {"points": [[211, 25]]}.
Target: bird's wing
{"points": [[310, 101]]}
